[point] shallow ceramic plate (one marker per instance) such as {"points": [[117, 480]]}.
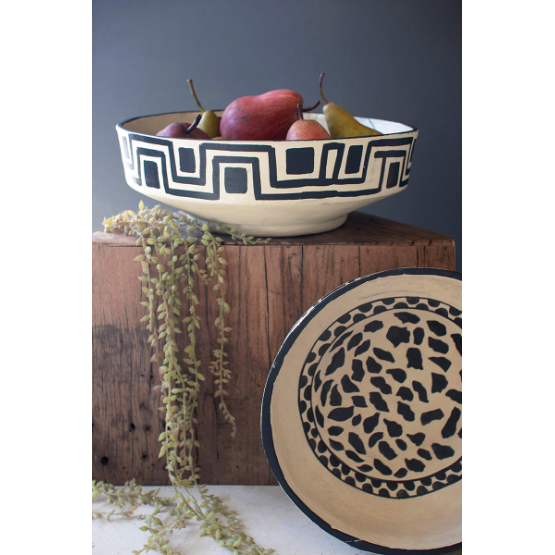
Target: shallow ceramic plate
{"points": [[361, 415]]}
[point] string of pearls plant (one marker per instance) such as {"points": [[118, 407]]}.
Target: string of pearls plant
{"points": [[169, 263]]}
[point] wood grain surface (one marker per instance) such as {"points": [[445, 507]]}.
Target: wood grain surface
{"points": [[269, 287]]}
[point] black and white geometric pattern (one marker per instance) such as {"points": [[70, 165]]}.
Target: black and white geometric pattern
{"points": [[342, 168]]}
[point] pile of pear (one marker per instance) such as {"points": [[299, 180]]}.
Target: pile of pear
{"points": [[273, 116]]}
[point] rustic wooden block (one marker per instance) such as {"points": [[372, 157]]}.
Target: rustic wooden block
{"points": [[269, 288]]}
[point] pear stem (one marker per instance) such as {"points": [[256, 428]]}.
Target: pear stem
{"points": [[310, 108], [190, 81], [300, 111], [321, 91], [194, 124]]}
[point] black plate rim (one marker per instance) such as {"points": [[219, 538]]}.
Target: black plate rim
{"points": [[267, 437]]}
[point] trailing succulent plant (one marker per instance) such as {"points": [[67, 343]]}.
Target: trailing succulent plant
{"points": [[169, 263]]}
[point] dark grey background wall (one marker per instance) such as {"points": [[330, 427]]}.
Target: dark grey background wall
{"points": [[397, 60]]}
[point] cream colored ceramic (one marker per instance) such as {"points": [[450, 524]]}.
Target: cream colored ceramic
{"points": [[272, 188], [361, 417]]}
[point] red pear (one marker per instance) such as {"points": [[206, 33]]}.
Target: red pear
{"points": [[265, 117], [306, 129], [184, 130]]}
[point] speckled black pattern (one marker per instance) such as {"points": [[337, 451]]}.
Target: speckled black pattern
{"points": [[379, 381]]}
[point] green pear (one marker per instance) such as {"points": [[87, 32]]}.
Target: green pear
{"points": [[210, 122], [340, 123]]}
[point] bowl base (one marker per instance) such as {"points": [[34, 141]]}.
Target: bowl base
{"points": [[291, 230]]}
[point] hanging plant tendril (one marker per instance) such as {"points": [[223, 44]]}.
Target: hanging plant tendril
{"points": [[167, 278]]}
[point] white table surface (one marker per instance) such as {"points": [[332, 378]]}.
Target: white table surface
{"points": [[268, 515]]}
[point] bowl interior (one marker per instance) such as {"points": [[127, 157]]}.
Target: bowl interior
{"points": [[150, 125]]}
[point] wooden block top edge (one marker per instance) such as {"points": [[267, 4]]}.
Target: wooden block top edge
{"points": [[359, 229]]}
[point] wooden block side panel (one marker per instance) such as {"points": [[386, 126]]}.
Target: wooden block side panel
{"points": [[437, 257], [285, 291], [239, 460], [380, 258], [268, 289], [325, 268], [126, 420]]}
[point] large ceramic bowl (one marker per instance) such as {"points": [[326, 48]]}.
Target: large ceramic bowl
{"points": [[266, 188]]}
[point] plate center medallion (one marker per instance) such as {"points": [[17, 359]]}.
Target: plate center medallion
{"points": [[380, 397]]}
